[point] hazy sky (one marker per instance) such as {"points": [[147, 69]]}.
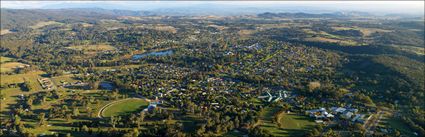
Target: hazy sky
{"points": [[368, 6]]}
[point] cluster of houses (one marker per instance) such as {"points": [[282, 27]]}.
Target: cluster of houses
{"points": [[282, 94], [76, 85], [342, 112], [46, 83]]}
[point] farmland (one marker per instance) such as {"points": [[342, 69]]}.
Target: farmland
{"points": [[96, 48]]}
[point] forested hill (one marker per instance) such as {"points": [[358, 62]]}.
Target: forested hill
{"points": [[19, 18]]}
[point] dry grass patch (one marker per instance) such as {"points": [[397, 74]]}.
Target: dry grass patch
{"points": [[366, 31], [331, 40], [10, 66], [159, 27], [5, 59], [129, 18], [93, 48], [218, 27], [31, 76], [5, 31], [44, 23]]}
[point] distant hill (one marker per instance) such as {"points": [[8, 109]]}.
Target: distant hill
{"points": [[16, 18], [311, 15]]}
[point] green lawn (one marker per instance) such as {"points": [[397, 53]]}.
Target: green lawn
{"points": [[292, 124], [399, 125], [125, 107]]}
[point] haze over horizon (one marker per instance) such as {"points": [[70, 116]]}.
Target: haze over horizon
{"points": [[231, 7]]}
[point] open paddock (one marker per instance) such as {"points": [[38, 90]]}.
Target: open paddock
{"points": [[44, 23], [93, 48]]}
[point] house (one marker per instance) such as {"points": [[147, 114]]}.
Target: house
{"points": [[318, 121], [358, 118], [338, 110], [319, 113], [347, 115]]}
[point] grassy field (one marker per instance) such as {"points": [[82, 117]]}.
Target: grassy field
{"points": [[44, 23], [19, 78], [366, 31], [332, 40], [159, 27], [64, 78], [96, 48], [391, 122], [10, 66], [5, 59], [5, 31], [10, 94], [125, 107], [292, 124]]}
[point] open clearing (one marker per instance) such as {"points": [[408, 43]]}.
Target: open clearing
{"points": [[10, 66], [159, 27], [96, 48], [5, 31], [124, 107], [366, 31], [292, 124], [389, 121], [31, 76], [331, 40], [5, 59], [44, 23]]}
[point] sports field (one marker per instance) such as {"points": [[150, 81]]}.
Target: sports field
{"points": [[125, 107]]}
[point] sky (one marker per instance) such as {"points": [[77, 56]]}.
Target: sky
{"points": [[410, 7]]}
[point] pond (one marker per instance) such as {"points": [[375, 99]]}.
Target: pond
{"points": [[106, 85], [156, 53]]}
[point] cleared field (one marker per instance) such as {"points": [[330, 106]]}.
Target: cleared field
{"points": [[99, 47], [10, 66], [389, 121], [292, 124], [5, 59], [366, 31], [331, 40], [125, 107], [44, 23], [19, 78], [64, 78], [159, 27], [5, 31]]}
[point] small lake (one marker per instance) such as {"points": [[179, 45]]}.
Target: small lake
{"points": [[106, 85], [156, 53]]}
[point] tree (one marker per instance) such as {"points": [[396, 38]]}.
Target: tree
{"points": [[142, 116], [16, 120], [68, 118], [75, 112], [114, 120], [85, 128], [42, 120]]}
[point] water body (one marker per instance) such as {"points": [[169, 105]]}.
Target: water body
{"points": [[156, 53], [106, 85]]}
